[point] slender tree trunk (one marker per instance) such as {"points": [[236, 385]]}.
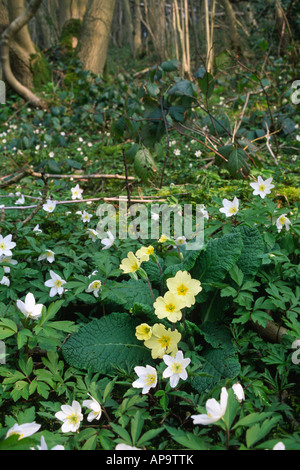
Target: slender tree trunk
{"points": [[232, 23], [94, 35], [137, 39], [182, 27], [128, 26], [18, 29], [210, 26]]}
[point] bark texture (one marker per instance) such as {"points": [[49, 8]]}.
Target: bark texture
{"points": [[18, 30], [94, 35]]}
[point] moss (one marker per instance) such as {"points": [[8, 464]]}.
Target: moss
{"points": [[289, 192], [41, 70], [70, 30]]}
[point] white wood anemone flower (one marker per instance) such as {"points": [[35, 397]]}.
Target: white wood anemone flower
{"points": [[108, 241], [262, 188], [215, 410], [239, 392], [49, 255], [71, 417], [94, 406], [176, 369], [23, 430], [8, 260], [86, 217], [6, 245], [30, 308], [93, 234], [49, 206], [94, 287], [283, 221], [5, 281], [56, 283], [147, 378], [230, 208], [77, 192]]}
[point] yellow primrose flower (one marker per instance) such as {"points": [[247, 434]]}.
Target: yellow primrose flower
{"points": [[162, 341], [130, 264], [163, 239], [143, 332], [169, 306], [144, 253], [184, 286]]}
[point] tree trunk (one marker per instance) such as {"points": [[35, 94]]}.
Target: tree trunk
{"points": [[155, 22], [210, 26], [70, 9], [137, 38], [19, 29], [21, 46], [94, 34], [232, 23], [128, 25]]}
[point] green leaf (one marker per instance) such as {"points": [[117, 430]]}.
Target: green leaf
{"points": [[170, 65], [219, 364], [237, 275], [177, 113], [220, 255], [106, 342], [252, 251], [184, 87], [187, 440], [144, 165], [127, 293], [147, 436], [53, 308], [14, 443], [7, 328], [152, 89], [258, 432]]}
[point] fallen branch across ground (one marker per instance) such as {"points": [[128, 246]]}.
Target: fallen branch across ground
{"points": [[28, 172], [80, 201]]}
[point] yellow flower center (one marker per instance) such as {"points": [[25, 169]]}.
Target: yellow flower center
{"points": [[134, 266], [96, 285], [73, 418], [2, 246], [57, 283], [282, 220], [170, 308], [176, 367], [262, 187], [150, 379], [164, 341], [182, 290], [232, 210]]}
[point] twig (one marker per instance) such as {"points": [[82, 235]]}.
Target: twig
{"points": [[168, 141], [40, 204], [129, 195], [95, 176]]}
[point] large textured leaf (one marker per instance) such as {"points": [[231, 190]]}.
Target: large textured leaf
{"points": [[237, 160], [238, 163], [253, 249], [218, 258], [106, 342], [127, 293], [219, 364], [144, 165]]}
